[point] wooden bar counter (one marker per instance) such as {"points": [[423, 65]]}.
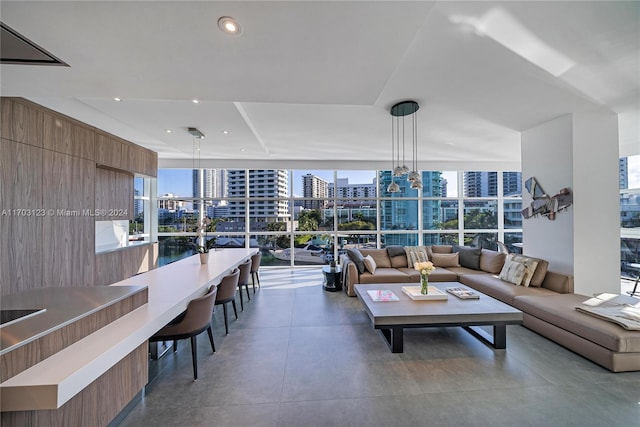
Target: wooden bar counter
{"points": [[75, 384]]}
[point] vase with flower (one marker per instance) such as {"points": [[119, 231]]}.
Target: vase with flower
{"points": [[202, 230], [424, 268]]}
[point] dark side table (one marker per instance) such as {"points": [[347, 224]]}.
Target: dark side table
{"points": [[332, 282]]}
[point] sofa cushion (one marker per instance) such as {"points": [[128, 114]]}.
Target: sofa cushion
{"points": [[540, 271], [370, 264], [441, 249], [399, 261], [385, 275], [395, 251], [469, 257], [358, 259], [415, 254], [380, 256], [513, 271], [464, 270], [437, 275], [559, 310], [499, 289], [491, 261], [445, 260]]}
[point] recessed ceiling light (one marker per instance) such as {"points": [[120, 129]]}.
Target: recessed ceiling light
{"points": [[228, 25], [167, 130], [242, 149], [226, 132], [117, 99], [195, 101]]}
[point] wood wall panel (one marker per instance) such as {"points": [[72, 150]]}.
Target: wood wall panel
{"points": [[21, 216], [28, 355], [112, 267], [64, 136], [108, 151], [114, 194], [21, 122], [97, 404], [68, 243]]}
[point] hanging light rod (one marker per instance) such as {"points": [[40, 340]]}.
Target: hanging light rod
{"points": [[196, 133]]}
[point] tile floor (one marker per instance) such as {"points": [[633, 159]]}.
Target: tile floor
{"points": [[299, 356]]}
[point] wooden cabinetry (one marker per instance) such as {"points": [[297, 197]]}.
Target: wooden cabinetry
{"points": [[49, 187], [120, 264], [21, 216], [122, 155], [114, 195]]}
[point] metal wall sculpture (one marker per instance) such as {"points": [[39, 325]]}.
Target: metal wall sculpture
{"points": [[543, 204]]}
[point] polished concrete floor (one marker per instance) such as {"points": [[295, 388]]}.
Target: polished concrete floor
{"points": [[299, 356]]}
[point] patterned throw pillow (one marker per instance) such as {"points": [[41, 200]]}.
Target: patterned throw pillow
{"points": [[445, 260], [415, 254], [513, 271], [370, 264], [530, 267]]}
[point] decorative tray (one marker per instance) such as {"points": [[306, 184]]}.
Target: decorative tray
{"points": [[433, 294]]}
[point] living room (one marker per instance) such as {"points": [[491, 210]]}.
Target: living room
{"points": [[309, 86]]}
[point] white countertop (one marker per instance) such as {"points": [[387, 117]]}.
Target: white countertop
{"points": [[55, 380]]}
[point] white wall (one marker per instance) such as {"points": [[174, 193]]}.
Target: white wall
{"points": [[547, 152], [579, 151]]}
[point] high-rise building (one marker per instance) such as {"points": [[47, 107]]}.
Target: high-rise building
{"points": [[263, 184], [170, 205], [351, 192], [485, 184], [213, 185], [314, 187], [624, 173], [213, 181]]}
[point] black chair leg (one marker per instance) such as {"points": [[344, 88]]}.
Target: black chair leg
{"points": [[226, 322], [241, 302], [210, 332], [194, 357], [233, 303], [175, 345], [246, 287]]}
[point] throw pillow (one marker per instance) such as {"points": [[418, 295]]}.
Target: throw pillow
{"points": [[370, 264], [530, 264], [415, 254], [445, 260], [356, 256], [513, 271], [539, 273], [492, 261], [469, 257], [395, 251]]}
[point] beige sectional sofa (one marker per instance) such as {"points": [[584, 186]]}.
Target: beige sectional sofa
{"points": [[548, 303]]}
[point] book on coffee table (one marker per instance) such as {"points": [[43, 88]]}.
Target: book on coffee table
{"points": [[463, 293], [433, 293], [383, 295]]}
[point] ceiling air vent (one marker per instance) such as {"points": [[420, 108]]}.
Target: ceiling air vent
{"points": [[16, 49]]}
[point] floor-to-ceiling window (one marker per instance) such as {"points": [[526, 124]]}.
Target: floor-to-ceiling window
{"points": [[630, 217], [308, 217]]}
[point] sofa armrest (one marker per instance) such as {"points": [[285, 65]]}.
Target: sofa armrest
{"points": [[350, 275]]}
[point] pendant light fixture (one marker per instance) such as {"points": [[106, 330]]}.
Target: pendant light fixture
{"points": [[399, 130]]}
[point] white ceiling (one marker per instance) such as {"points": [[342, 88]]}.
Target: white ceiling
{"points": [[311, 83]]}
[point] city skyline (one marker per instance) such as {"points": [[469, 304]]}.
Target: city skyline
{"points": [[179, 181]]}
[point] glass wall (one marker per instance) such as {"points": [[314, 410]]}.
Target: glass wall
{"points": [[630, 217], [310, 217]]}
